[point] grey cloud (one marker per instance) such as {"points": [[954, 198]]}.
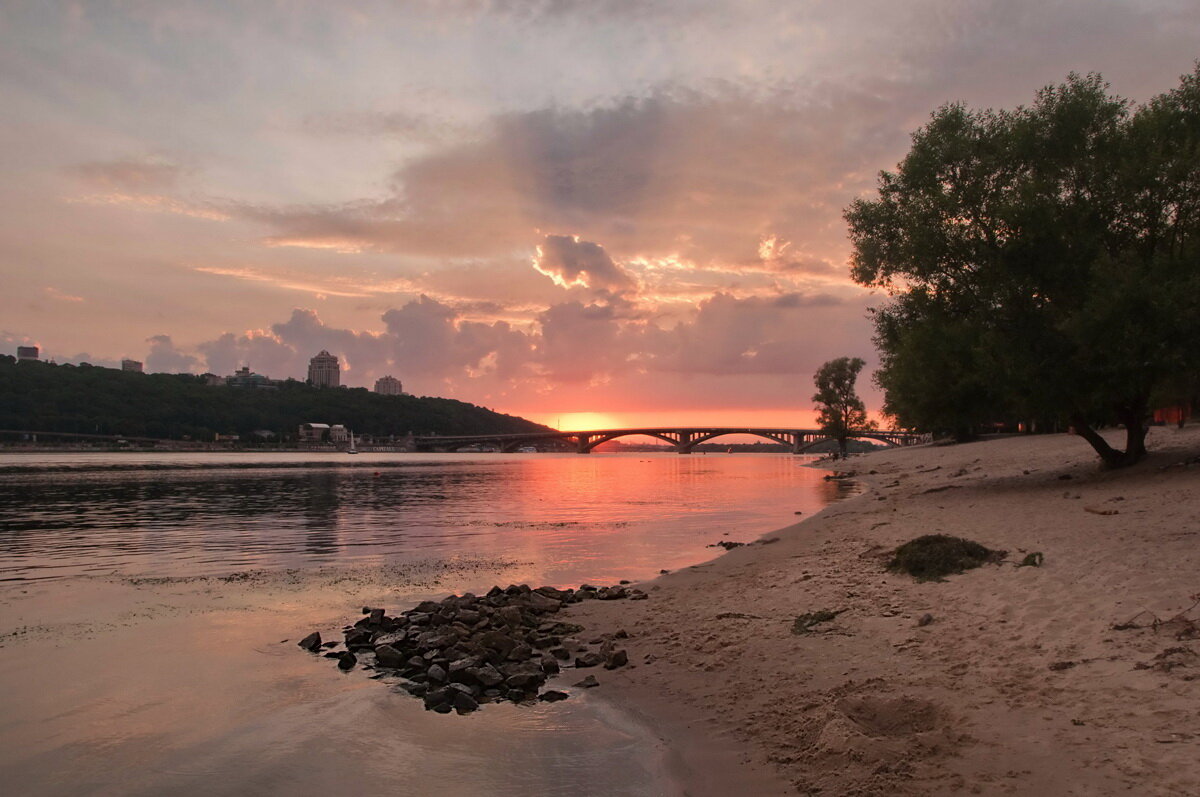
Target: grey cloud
{"points": [[164, 357], [568, 261]]}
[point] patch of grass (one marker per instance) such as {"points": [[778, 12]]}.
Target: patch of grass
{"points": [[805, 622], [933, 556]]}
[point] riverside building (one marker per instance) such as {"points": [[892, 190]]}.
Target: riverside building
{"points": [[324, 371], [389, 386]]}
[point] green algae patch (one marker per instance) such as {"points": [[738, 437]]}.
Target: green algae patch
{"points": [[934, 556]]}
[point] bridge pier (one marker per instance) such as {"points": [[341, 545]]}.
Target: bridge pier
{"points": [[685, 445], [583, 443]]}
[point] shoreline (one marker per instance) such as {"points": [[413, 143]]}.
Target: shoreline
{"points": [[1019, 684]]}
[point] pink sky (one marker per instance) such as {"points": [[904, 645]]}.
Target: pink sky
{"points": [[626, 209]]}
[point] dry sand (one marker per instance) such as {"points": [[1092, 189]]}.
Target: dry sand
{"points": [[1019, 685]]}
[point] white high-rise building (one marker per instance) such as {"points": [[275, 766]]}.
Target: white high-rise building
{"points": [[324, 371], [389, 386]]}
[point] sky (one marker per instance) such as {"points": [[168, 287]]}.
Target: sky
{"points": [[587, 212]]}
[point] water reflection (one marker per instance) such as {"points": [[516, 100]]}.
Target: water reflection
{"points": [[619, 514]]}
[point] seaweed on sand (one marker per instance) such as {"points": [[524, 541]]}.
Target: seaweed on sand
{"points": [[933, 556]]}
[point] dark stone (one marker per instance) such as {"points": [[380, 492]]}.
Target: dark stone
{"points": [[540, 603], [469, 617], [311, 643], [443, 708], [347, 660], [550, 666], [388, 656], [925, 620], [498, 641], [416, 690], [553, 696], [515, 695], [588, 683], [488, 675], [333, 644], [589, 659], [560, 653], [376, 617], [618, 658], [638, 595], [621, 634], [525, 681], [436, 674], [464, 703], [435, 697], [521, 652]]}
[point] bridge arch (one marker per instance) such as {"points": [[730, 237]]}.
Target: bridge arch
{"points": [[706, 436], [607, 436]]}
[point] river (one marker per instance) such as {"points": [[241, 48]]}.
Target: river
{"points": [[150, 603]]}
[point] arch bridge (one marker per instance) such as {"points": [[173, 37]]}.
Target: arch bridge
{"points": [[682, 439]]}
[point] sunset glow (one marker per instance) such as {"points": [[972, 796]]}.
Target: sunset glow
{"points": [[614, 227]]}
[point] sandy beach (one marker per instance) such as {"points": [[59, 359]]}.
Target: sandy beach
{"points": [[1016, 682]]}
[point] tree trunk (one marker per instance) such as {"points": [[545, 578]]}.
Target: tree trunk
{"points": [[842, 446], [1135, 438]]}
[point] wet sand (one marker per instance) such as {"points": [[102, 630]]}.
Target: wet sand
{"points": [[1018, 685]]}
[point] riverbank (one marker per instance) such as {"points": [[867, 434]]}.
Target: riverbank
{"points": [[1003, 680]]}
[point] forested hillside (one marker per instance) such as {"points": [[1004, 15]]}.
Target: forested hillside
{"points": [[91, 400]]}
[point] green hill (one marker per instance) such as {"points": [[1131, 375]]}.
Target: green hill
{"points": [[92, 400]]}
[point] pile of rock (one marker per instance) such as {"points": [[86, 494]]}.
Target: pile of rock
{"points": [[466, 650]]}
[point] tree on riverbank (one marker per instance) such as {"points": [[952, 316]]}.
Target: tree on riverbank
{"points": [[841, 412], [1043, 262], [42, 397]]}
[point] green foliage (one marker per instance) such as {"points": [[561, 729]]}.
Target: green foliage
{"points": [[91, 400], [1034, 559], [840, 411], [1043, 262], [805, 622], [934, 556]]}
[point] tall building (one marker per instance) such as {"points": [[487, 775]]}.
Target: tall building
{"points": [[324, 371], [389, 386], [131, 365], [27, 353]]}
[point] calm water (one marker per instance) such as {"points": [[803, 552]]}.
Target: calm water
{"points": [[132, 663], [567, 517]]}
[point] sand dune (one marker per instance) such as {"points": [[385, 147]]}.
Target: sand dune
{"points": [[1018, 685]]}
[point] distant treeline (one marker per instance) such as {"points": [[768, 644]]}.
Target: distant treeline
{"points": [[87, 399]]}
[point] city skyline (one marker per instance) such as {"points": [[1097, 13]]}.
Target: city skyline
{"points": [[635, 219]]}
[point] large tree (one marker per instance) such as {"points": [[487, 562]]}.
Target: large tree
{"points": [[841, 412], [1043, 262]]}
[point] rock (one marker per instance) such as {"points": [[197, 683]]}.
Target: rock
{"points": [[638, 595], [525, 681], [521, 652], [436, 674], [515, 695], [488, 675], [540, 603], [590, 659], [550, 666], [464, 703], [588, 683], [618, 658], [512, 616], [311, 643], [443, 708], [347, 660], [553, 696], [621, 634], [612, 594], [469, 617], [925, 620], [560, 653], [388, 656], [416, 690], [376, 617], [498, 641], [436, 697]]}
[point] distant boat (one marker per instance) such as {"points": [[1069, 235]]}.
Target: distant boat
{"points": [[353, 449], [526, 450]]}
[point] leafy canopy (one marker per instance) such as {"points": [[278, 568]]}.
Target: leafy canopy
{"points": [[841, 412], [1043, 262]]}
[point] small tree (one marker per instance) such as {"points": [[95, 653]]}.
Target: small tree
{"points": [[841, 412]]}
